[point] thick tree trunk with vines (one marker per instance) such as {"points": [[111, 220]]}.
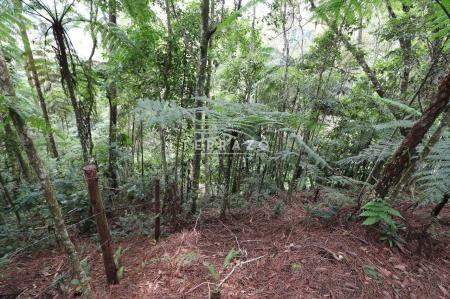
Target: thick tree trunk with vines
{"points": [[401, 159], [7, 89]]}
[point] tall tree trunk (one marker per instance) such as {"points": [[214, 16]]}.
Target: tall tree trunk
{"points": [[83, 126], [7, 89], [405, 45], [208, 95], [9, 199], [405, 179], [167, 91], [141, 144], [286, 49], [111, 94], [51, 144], [307, 138], [227, 177], [199, 95], [401, 158], [12, 146]]}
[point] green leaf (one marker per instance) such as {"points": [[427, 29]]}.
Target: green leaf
{"points": [[399, 105], [230, 256], [213, 271], [120, 272], [371, 221], [75, 282]]}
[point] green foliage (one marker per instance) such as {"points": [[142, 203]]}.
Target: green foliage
{"points": [[372, 272], [380, 212], [439, 23], [278, 208], [299, 107], [432, 178], [310, 152], [186, 259], [232, 254], [213, 271], [400, 105]]}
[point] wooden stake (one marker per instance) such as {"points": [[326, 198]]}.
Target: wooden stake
{"points": [[90, 173], [158, 211]]}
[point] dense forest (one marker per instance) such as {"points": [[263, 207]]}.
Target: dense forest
{"points": [[208, 148]]}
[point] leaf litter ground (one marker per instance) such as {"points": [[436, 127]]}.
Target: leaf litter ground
{"points": [[287, 256]]}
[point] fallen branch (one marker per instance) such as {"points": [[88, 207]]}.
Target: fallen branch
{"points": [[239, 264]]}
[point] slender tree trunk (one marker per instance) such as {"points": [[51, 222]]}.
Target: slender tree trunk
{"points": [[69, 83], [404, 181], [401, 158], [142, 149], [162, 135], [208, 97], [307, 138], [7, 89], [51, 144], [177, 155], [438, 208], [167, 89], [200, 94], [405, 45], [9, 199], [106, 243], [227, 175], [11, 162], [157, 210], [111, 94], [133, 142], [12, 146]]}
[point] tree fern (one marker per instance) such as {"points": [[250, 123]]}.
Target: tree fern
{"points": [[8, 32], [382, 150], [439, 23], [433, 177], [310, 152]]}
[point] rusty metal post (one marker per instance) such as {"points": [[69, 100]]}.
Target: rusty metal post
{"points": [[90, 174], [157, 210]]}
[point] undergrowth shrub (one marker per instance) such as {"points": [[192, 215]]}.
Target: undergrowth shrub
{"points": [[378, 213]]}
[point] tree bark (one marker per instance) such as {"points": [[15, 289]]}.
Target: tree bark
{"points": [[106, 243], [405, 46], [111, 94], [200, 94], [7, 89], [401, 158], [227, 177], [157, 211], [83, 127], [438, 208], [167, 89], [51, 144], [9, 199], [405, 179], [12, 145]]}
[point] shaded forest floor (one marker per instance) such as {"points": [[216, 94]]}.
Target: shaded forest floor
{"points": [[285, 256]]}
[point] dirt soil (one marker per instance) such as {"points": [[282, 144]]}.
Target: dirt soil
{"points": [[288, 256]]}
